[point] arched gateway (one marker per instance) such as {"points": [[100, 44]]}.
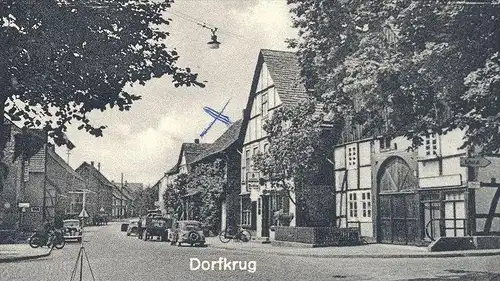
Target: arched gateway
{"points": [[397, 202]]}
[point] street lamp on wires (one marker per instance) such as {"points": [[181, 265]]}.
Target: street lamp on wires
{"points": [[213, 43]]}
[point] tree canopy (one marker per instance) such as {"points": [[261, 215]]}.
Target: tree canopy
{"points": [[62, 59], [401, 67], [205, 183]]}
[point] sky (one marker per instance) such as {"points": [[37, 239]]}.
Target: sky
{"points": [[145, 142]]}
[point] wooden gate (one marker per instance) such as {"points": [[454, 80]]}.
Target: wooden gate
{"points": [[397, 203]]}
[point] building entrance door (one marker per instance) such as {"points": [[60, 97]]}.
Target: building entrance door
{"points": [[397, 203], [265, 216]]}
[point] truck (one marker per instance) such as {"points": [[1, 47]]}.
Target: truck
{"points": [[152, 225]]}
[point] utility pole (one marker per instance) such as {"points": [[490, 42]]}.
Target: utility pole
{"points": [[68, 153]]}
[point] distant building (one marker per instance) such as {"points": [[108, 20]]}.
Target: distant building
{"points": [[100, 199], [188, 153]]}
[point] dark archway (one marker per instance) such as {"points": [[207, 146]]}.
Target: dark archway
{"points": [[397, 220]]}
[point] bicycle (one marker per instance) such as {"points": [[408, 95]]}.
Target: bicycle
{"points": [[243, 235]]}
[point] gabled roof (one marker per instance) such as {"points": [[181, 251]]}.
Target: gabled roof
{"points": [[173, 170], [134, 186], [230, 136], [192, 150], [52, 154], [96, 173], [285, 71]]}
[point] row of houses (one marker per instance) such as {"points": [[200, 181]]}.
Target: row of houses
{"points": [[394, 195], [38, 185]]}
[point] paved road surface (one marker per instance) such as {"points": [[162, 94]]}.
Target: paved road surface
{"points": [[114, 256]]}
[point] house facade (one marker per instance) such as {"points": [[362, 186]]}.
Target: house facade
{"points": [[227, 149], [100, 198], [403, 196], [276, 83], [188, 153], [38, 189]]}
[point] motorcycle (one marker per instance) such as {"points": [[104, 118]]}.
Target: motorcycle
{"points": [[53, 238]]}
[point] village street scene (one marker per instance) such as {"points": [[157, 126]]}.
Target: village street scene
{"points": [[249, 140]]}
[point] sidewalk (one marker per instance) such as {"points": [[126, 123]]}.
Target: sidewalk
{"points": [[19, 252], [362, 251]]}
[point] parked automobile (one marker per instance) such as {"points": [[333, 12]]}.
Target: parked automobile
{"points": [[153, 226], [188, 231], [124, 227], [72, 230], [132, 227]]}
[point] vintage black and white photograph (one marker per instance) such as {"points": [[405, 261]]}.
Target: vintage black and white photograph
{"points": [[249, 140]]}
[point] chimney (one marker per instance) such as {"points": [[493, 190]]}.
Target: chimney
{"points": [[99, 166], [92, 163], [196, 140]]}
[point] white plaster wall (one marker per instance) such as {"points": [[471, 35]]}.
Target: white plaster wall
{"points": [[365, 177], [339, 157], [364, 153], [352, 179]]}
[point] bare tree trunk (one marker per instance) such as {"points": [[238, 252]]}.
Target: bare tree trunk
{"points": [[287, 191]]}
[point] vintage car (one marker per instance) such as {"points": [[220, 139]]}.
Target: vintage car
{"points": [[72, 230], [188, 231], [132, 227], [152, 226]]}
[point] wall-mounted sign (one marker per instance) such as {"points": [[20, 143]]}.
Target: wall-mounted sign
{"points": [[473, 184], [35, 209], [24, 205], [478, 161]]}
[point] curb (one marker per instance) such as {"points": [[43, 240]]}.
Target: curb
{"points": [[23, 258], [368, 256]]}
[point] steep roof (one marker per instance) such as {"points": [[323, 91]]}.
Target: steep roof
{"points": [[134, 186], [52, 154], [229, 137], [173, 170], [285, 71], [192, 150], [97, 174]]}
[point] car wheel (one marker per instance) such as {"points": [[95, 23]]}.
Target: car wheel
{"points": [[128, 233], [179, 244], [202, 244]]}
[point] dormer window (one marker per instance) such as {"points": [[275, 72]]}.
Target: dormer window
{"points": [[431, 145]]}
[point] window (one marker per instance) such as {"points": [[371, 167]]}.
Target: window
{"points": [[352, 157], [366, 205], [385, 143], [265, 104], [431, 146], [353, 205], [266, 148], [248, 160], [255, 152], [246, 211]]}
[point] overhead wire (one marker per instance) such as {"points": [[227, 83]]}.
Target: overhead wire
{"points": [[201, 22]]}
